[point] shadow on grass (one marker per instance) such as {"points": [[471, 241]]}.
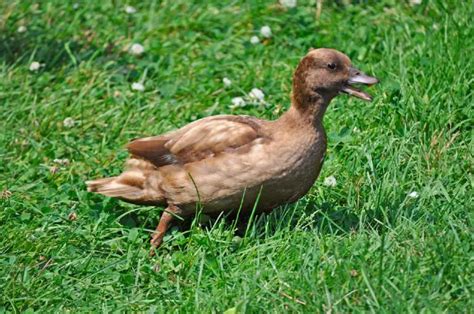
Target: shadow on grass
{"points": [[22, 48], [307, 216], [324, 218], [19, 48]]}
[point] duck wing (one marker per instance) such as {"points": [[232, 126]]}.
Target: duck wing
{"points": [[198, 140]]}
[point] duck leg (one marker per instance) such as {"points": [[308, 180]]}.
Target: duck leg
{"points": [[160, 231]]}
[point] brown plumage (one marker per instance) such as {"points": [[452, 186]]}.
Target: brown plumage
{"points": [[226, 162]]}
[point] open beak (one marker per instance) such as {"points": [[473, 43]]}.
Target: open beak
{"points": [[358, 77]]}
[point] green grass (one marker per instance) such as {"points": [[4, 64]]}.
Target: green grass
{"points": [[363, 245]]}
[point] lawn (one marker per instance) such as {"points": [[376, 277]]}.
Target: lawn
{"points": [[394, 234]]}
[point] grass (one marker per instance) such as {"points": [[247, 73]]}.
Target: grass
{"points": [[363, 245]]}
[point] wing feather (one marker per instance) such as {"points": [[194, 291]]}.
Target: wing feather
{"points": [[199, 140]]}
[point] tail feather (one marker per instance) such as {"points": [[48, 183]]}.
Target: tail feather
{"points": [[116, 187], [95, 185], [131, 186]]}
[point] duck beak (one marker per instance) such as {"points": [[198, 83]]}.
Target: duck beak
{"points": [[358, 77]]}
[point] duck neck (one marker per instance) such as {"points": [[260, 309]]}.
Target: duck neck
{"points": [[307, 111]]}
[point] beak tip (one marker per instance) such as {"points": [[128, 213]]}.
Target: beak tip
{"points": [[373, 81]]}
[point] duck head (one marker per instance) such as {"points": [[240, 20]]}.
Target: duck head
{"points": [[323, 74]]}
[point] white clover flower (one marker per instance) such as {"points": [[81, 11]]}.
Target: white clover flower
{"points": [[62, 162], [413, 194], [330, 181], [137, 49], [266, 31], [138, 87], [288, 3], [226, 82], [35, 66], [75, 6], [254, 40], [238, 102], [256, 93], [130, 10], [69, 122], [415, 2], [21, 29], [53, 169]]}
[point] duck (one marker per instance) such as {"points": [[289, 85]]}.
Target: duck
{"points": [[229, 163]]}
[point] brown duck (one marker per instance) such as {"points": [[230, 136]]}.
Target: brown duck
{"points": [[226, 163]]}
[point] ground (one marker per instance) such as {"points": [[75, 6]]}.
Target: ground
{"points": [[394, 234]]}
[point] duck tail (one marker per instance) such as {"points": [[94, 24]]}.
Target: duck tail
{"points": [[128, 186]]}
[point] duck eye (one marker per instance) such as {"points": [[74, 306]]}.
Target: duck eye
{"points": [[332, 66]]}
